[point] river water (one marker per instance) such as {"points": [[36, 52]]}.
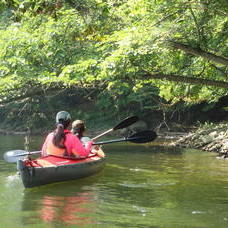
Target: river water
{"points": [[140, 186]]}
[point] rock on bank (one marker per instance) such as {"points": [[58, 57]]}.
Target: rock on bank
{"points": [[210, 137]]}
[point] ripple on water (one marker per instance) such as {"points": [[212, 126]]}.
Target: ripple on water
{"points": [[134, 185], [11, 180], [144, 185], [157, 178], [143, 211], [198, 212]]}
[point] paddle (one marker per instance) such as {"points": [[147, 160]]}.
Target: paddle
{"points": [[140, 137], [123, 124], [13, 156]]}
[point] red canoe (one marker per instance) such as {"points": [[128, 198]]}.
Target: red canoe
{"points": [[52, 169]]}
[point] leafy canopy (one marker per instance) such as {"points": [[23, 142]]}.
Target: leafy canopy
{"points": [[110, 46]]}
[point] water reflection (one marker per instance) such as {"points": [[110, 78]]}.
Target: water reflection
{"points": [[68, 210], [70, 203]]}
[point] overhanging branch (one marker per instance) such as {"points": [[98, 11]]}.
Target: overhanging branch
{"points": [[199, 52], [34, 89], [189, 80]]}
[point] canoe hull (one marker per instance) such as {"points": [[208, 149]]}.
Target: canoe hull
{"points": [[36, 176]]}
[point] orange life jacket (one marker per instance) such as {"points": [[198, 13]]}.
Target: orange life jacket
{"points": [[73, 147], [52, 149]]}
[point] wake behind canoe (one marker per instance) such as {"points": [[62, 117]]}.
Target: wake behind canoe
{"points": [[51, 169]]}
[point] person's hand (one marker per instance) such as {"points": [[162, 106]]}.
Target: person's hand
{"points": [[100, 153], [96, 147], [97, 150]]}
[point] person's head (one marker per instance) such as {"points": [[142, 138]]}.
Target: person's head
{"points": [[63, 120], [78, 128]]}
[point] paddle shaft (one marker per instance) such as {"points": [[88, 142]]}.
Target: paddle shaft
{"points": [[123, 124], [104, 133], [27, 153], [95, 144], [140, 137], [114, 141]]}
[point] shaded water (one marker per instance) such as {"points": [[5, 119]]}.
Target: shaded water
{"points": [[140, 186]]}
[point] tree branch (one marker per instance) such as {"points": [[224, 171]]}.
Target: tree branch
{"points": [[199, 52], [33, 89], [189, 80]]}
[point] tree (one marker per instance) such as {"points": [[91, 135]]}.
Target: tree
{"points": [[111, 44]]}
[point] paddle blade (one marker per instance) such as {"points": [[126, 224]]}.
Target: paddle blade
{"points": [[140, 137], [13, 156], [126, 122], [143, 137]]}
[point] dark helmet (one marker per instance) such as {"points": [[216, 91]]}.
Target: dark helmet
{"points": [[63, 116]]}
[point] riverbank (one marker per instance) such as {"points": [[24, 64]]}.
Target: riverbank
{"points": [[209, 137]]}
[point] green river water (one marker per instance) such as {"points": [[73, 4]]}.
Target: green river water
{"points": [[140, 186]]}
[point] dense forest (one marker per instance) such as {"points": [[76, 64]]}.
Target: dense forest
{"points": [[164, 60]]}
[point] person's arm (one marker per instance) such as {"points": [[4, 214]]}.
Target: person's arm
{"points": [[85, 139], [44, 147], [77, 147]]}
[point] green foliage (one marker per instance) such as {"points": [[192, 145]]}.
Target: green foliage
{"points": [[107, 46]]}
